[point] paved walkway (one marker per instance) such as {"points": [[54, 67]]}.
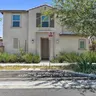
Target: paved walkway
{"points": [[42, 63]]}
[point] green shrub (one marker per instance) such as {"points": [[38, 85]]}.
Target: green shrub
{"points": [[66, 57], [20, 58], [74, 57], [61, 59], [13, 58], [71, 57], [36, 59], [70, 67], [0, 57], [27, 58], [91, 56], [21, 52], [84, 63], [20, 55], [81, 67], [55, 60], [4, 57]]}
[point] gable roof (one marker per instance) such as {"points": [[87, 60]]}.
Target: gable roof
{"points": [[2, 11], [41, 6]]}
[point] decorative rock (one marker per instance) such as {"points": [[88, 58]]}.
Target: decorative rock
{"points": [[67, 86], [24, 69], [78, 87], [37, 69], [30, 69], [93, 86]]}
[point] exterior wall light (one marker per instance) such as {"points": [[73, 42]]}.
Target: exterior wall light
{"points": [[57, 41], [44, 8], [32, 40]]}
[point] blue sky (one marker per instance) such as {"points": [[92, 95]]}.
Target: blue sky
{"points": [[19, 5]]}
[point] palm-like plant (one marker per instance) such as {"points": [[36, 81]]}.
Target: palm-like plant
{"points": [[84, 63]]}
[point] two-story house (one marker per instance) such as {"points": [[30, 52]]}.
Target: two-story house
{"points": [[28, 29]]}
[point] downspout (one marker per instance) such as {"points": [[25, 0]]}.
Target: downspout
{"points": [[27, 31], [53, 44]]}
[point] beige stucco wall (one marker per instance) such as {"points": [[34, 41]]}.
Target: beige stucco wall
{"points": [[32, 29], [70, 44], [9, 32], [29, 32], [36, 33]]}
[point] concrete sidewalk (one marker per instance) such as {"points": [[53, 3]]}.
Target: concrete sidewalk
{"points": [[42, 63], [25, 84], [45, 84]]}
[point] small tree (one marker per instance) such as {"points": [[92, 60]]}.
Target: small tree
{"points": [[92, 46], [78, 15]]}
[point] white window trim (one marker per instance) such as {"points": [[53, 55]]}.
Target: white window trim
{"points": [[15, 20], [84, 44], [48, 21]]}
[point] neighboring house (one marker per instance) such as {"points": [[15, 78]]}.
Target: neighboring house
{"points": [[28, 29], [1, 45], [1, 41]]}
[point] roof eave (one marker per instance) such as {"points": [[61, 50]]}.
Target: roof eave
{"points": [[68, 35], [2, 11]]}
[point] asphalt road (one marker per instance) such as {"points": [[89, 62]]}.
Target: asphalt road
{"points": [[43, 92]]}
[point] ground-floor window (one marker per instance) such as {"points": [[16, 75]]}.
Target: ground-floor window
{"points": [[82, 44]]}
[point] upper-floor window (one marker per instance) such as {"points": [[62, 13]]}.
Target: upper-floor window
{"points": [[44, 21], [15, 20]]}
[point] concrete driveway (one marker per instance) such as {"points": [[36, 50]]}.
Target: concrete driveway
{"points": [[43, 92]]}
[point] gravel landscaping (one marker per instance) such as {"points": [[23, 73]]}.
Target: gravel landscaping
{"points": [[48, 79]]}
